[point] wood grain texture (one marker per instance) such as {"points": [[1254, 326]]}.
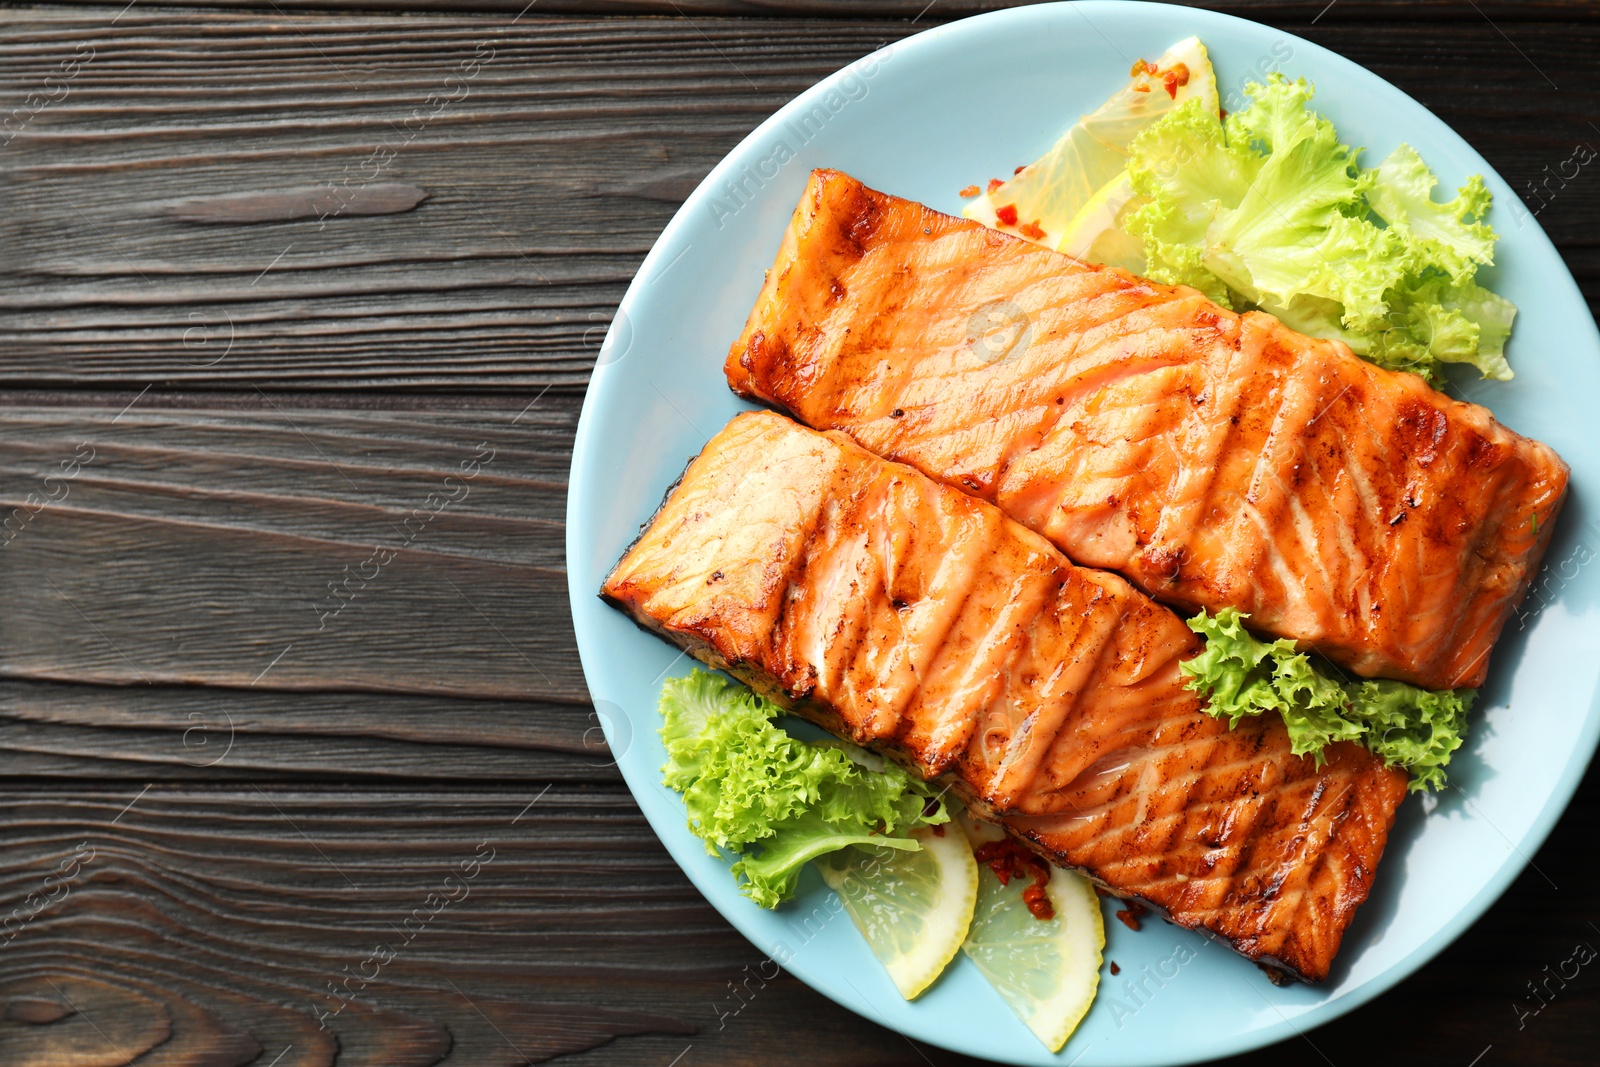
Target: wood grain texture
{"points": [[169, 604], [550, 152], [159, 733], [328, 549]]}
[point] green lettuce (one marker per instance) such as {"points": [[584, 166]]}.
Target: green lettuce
{"points": [[1408, 727], [1452, 235], [774, 801], [1267, 209]]}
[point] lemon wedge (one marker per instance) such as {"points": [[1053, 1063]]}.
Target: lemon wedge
{"points": [[1096, 234], [1050, 193], [913, 908], [1047, 970]]}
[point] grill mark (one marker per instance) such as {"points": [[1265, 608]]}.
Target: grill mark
{"points": [[1106, 643], [943, 647]]}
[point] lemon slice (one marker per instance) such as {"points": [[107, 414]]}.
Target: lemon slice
{"points": [[1096, 234], [1046, 970], [1050, 192], [912, 907]]}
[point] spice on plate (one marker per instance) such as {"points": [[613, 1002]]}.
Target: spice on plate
{"points": [[1009, 860], [1130, 914]]}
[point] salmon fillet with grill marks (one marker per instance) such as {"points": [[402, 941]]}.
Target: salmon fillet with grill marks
{"points": [[921, 622], [1214, 459]]}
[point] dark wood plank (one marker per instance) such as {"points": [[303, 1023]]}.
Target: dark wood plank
{"points": [[297, 547], [174, 540], [163, 733], [568, 146]]}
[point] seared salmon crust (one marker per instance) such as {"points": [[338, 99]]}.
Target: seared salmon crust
{"points": [[920, 621], [1213, 459]]}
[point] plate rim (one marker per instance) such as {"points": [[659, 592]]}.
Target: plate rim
{"points": [[676, 837]]}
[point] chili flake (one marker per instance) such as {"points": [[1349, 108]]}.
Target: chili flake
{"points": [[1031, 229], [995, 183], [1038, 903], [1130, 914], [1007, 214], [1009, 860], [970, 191]]}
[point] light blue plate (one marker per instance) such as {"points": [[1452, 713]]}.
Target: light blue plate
{"points": [[922, 119]]}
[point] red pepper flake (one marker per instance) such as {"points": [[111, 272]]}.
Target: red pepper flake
{"points": [[1041, 871], [1002, 857], [995, 183], [1130, 915], [1019, 170], [970, 191], [1141, 88], [1142, 66], [1009, 860], [1180, 71], [1170, 84], [1031, 229], [1115, 970], [1038, 903], [1007, 214]]}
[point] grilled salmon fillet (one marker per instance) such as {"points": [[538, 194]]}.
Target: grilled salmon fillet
{"points": [[921, 622], [1213, 459]]}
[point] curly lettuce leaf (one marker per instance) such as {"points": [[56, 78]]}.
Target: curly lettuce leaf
{"points": [[1188, 172], [1278, 116], [1269, 210], [773, 801], [1413, 728], [1241, 676], [1450, 236]]}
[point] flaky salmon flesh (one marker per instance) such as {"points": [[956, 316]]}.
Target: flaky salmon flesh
{"points": [[1214, 459], [921, 622]]}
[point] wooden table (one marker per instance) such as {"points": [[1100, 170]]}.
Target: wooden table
{"points": [[299, 763]]}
